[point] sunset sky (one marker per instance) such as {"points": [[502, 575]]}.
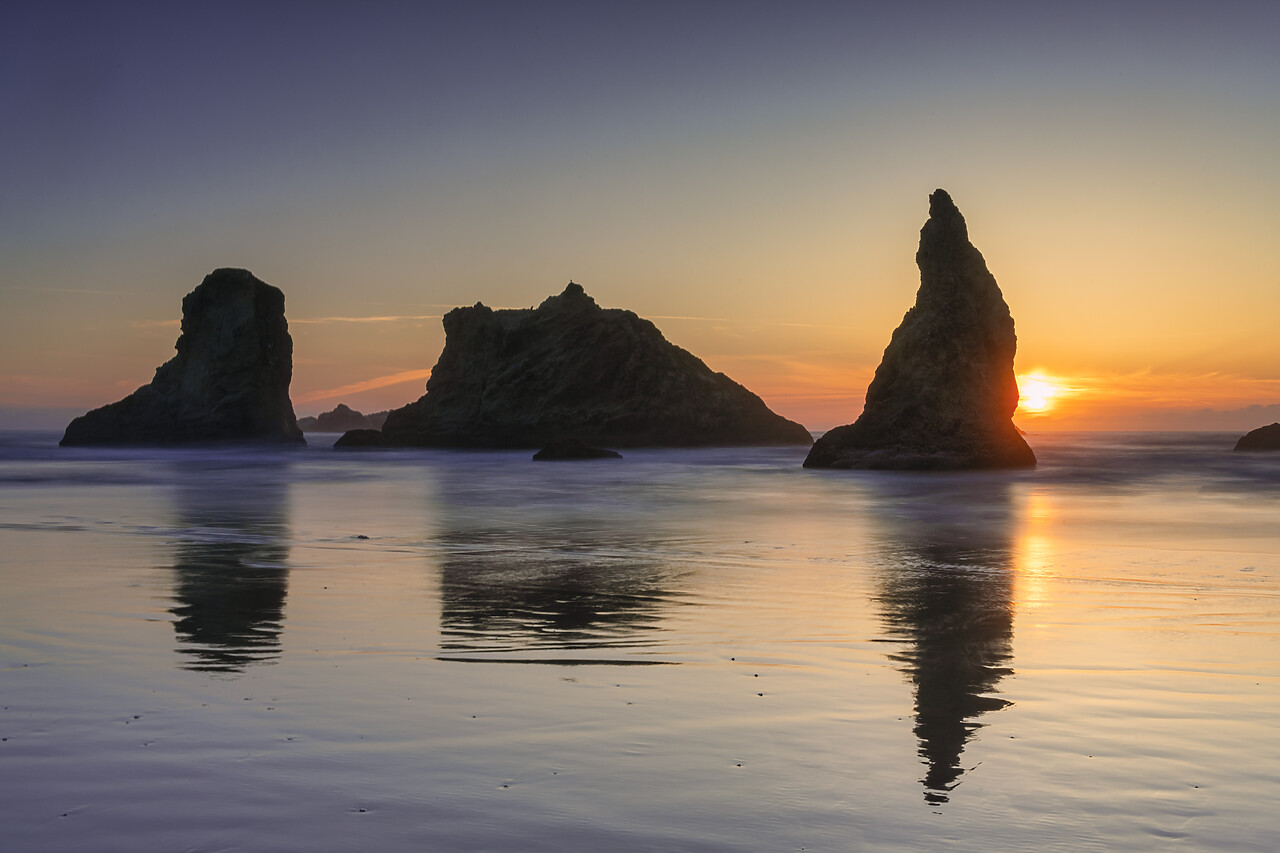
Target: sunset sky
{"points": [[752, 176]]}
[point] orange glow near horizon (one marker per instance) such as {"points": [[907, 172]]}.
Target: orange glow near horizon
{"points": [[1039, 393]]}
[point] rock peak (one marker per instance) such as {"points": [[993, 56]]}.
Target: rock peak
{"points": [[940, 203], [572, 298], [946, 230]]}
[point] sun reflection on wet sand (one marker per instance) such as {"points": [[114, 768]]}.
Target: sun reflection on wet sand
{"points": [[1033, 550]]}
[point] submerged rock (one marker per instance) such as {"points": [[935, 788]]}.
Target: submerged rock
{"points": [[944, 394], [1262, 438], [571, 369], [355, 439], [573, 449], [229, 380]]}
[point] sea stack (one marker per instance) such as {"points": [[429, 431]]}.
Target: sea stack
{"points": [[569, 369], [944, 394], [228, 382], [341, 419], [1262, 438]]}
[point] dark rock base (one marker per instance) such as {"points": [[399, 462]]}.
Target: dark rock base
{"points": [[1262, 438], [573, 449]]}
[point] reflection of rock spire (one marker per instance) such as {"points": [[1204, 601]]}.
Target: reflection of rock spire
{"points": [[947, 595], [959, 624], [231, 575]]}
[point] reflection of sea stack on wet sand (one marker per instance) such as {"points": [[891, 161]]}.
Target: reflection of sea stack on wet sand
{"points": [[944, 393], [946, 595], [570, 369], [228, 382], [231, 565]]}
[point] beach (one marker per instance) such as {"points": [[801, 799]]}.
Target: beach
{"points": [[237, 649]]}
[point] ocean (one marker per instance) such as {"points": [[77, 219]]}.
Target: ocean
{"points": [[684, 650]]}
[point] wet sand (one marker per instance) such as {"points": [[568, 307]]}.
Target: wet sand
{"points": [[686, 650]]}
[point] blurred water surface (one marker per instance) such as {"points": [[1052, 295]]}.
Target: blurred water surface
{"points": [[264, 650]]}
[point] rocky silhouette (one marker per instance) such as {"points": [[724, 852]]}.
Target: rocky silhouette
{"points": [[570, 369], [339, 419], [944, 394], [229, 380], [1262, 438], [572, 448], [362, 438]]}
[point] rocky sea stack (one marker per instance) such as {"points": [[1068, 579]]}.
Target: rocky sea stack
{"points": [[1262, 438], [570, 369], [228, 382], [944, 394], [339, 419]]}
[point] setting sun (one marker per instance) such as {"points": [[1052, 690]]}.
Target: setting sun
{"points": [[1037, 393]]}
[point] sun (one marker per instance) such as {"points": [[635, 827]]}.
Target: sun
{"points": [[1037, 392]]}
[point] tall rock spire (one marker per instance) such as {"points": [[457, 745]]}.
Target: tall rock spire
{"points": [[944, 393]]}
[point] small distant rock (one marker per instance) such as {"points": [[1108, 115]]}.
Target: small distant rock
{"points": [[228, 382], [572, 448], [1262, 438], [341, 419], [354, 439]]}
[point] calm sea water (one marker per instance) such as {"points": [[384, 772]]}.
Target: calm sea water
{"points": [[695, 650]]}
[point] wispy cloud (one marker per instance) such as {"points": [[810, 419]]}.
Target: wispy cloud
{"points": [[365, 385], [391, 318], [303, 321], [72, 290], [739, 321]]}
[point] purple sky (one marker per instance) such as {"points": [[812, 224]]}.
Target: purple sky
{"points": [[760, 167]]}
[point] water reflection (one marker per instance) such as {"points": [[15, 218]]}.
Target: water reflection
{"points": [[559, 589], [946, 593], [230, 569], [545, 564]]}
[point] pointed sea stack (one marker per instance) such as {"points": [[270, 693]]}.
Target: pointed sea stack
{"points": [[944, 394], [1262, 438], [570, 369], [228, 382]]}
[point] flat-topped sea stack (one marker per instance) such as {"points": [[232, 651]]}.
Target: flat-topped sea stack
{"points": [[1262, 438], [569, 369], [228, 382], [944, 394]]}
